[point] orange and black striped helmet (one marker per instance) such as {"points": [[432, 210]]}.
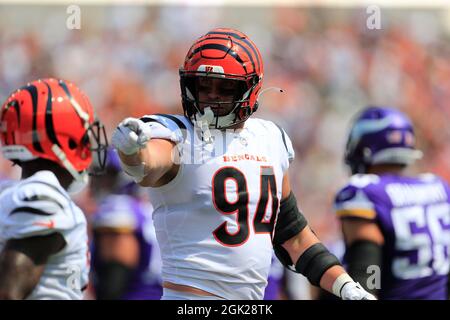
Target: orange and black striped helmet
{"points": [[54, 120], [227, 54]]}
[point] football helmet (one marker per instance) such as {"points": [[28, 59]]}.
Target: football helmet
{"points": [[54, 120], [380, 135], [225, 54]]}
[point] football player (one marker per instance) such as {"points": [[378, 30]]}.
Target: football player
{"points": [[48, 128], [126, 260], [396, 225], [219, 184]]}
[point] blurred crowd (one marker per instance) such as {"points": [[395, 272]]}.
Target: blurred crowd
{"points": [[327, 61]]}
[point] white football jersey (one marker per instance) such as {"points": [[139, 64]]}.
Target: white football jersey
{"points": [[214, 221], [37, 206]]}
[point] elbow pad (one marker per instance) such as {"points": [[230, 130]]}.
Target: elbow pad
{"points": [[313, 263], [290, 221]]}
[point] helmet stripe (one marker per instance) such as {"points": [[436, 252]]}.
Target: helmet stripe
{"points": [[83, 115], [240, 45], [15, 105], [49, 125], [221, 48], [32, 90], [3, 127], [63, 85], [245, 40]]}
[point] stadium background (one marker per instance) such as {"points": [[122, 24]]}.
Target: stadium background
{"points": [[321, 53]]}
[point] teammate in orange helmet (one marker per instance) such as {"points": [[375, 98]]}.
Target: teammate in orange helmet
{"points": [[48, 128]]}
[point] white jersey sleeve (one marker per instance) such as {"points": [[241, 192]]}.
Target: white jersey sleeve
{"points": [[282, 143], [36, 208], [287, 149], [165, 126]]}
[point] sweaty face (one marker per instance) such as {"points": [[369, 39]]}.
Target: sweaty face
{"points": [[218, 94]]}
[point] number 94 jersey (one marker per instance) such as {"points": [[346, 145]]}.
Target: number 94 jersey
{"points": [[214, 221], [413, 214]]}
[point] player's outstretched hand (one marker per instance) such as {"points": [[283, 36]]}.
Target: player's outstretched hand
{"points": [[131, 135], [354, 291]]}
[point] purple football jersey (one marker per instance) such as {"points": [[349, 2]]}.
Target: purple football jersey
{"points": [[123, 212], [275, 281], [413, 214]]}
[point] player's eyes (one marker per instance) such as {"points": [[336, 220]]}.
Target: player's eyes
{"points": [[224, 88]]}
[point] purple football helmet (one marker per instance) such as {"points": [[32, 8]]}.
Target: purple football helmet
{"points": [[123, 185], [380, 135], [112, 160], [113, 179]]}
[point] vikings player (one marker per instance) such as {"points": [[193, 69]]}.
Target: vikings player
{"points": [[125, 255], [393, 222]]}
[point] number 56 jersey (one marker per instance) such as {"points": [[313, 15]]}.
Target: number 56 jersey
{"points": [[413, 214], [214, 221]]}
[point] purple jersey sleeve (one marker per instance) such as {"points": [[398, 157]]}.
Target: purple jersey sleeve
{"points": [[355, 199]]}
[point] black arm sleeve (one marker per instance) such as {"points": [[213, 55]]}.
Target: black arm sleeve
{"points": [[289, 223], [361, 255], [314, 262], [290, 220]]}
